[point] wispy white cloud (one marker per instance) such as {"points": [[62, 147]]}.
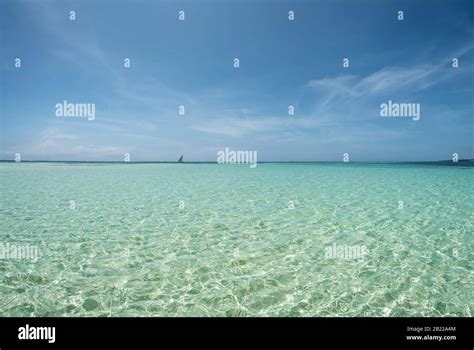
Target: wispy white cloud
{"points": [[339, 103], [389, 79], [235, 127], [58, 142]]}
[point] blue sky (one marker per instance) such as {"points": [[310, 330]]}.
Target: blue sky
{"points": [[282, 63]]}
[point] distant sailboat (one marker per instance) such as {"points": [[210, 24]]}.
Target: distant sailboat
{"points": [[180, 160]]}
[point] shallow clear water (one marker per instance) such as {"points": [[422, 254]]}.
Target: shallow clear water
{"points": [[223, 240]]}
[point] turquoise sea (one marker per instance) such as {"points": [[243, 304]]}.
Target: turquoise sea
{"points": [[227, 240]]}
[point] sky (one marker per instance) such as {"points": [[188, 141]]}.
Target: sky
{"points": [[190, 63]]}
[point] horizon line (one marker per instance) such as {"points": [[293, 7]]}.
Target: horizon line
{"points": [[215, 162]]}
